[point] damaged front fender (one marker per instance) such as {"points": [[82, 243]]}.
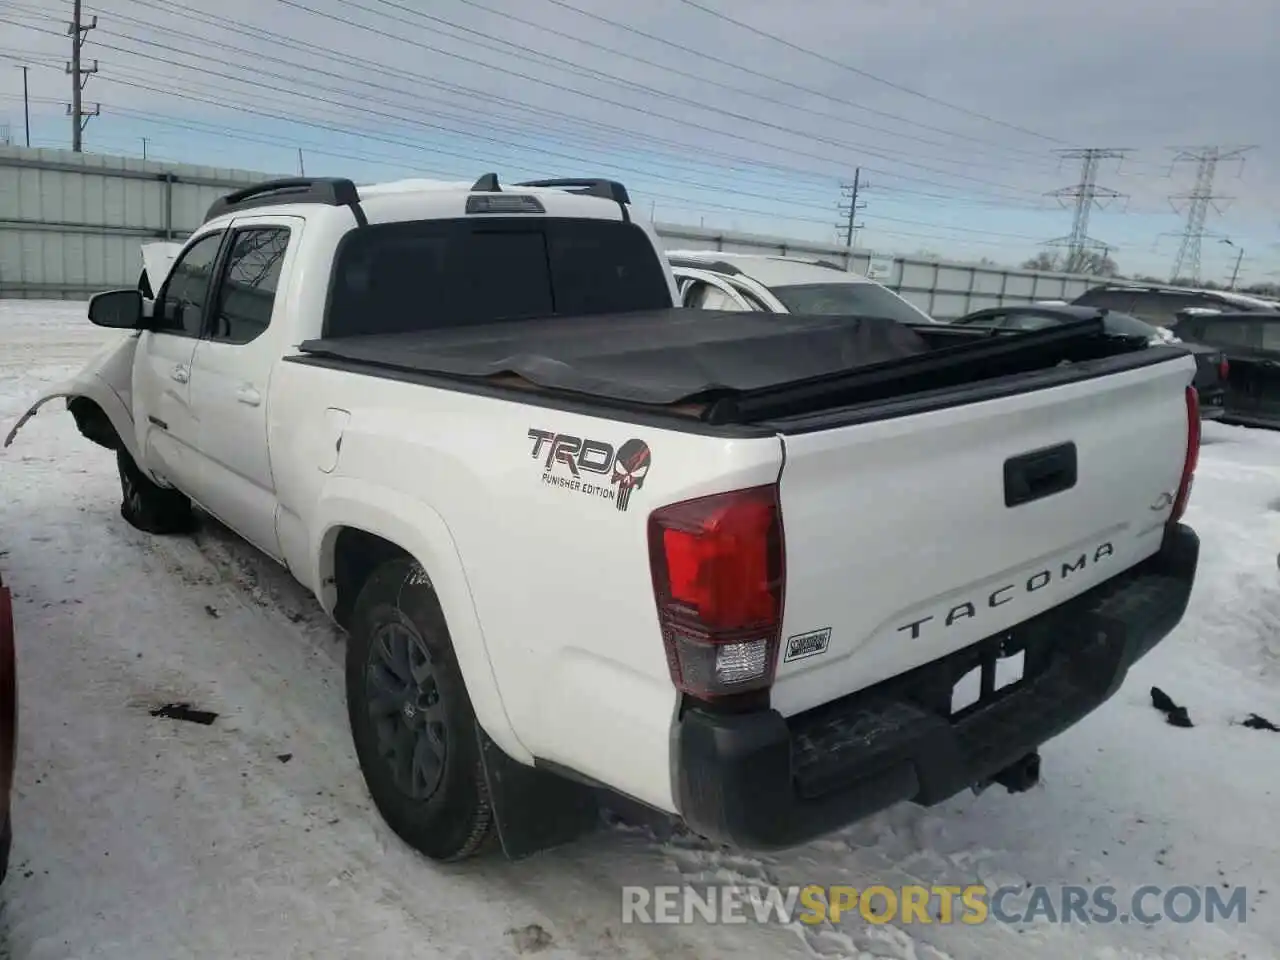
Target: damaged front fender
{"points": [[100, 398]]}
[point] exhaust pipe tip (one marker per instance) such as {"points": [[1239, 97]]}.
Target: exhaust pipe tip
{"points": [[1021, 775]]}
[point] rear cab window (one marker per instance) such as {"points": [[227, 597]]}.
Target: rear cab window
{"points": [[433, 274]]}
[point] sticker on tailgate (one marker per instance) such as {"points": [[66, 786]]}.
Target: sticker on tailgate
{"points": [[805, 645]]}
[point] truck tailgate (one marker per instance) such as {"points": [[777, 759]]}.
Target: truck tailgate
{"points": [[910, 538]]}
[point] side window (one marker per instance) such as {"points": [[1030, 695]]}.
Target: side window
{"points": [[713, 298], [1120, 300], [247, 294], [185, 294], [1000, 320], [1225, 334], [1161, 309], [1270, 335], [1027, 321]]}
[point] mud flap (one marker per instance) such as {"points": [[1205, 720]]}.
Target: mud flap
{"points": [[534, 810]]}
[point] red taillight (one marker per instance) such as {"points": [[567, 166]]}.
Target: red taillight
{"points": [[1192, 458], [717, 566], [1224, 368]]}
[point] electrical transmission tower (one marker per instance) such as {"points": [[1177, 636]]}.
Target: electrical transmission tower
{"points": [[849, 193], [1196, 204], [78, 30], [1086, 195]]}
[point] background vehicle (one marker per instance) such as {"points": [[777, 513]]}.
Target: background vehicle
{"points": [[547, 506], [712, 280], [1251, 341], [1160, 305], [1212, 366], [8, 723]]}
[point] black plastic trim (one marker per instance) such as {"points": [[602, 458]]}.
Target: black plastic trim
{"points": [[1037, 474], [763, 781], [328, 191], [606, 189]]}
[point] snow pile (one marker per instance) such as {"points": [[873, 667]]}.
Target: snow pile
{"points": [[142, 837]]}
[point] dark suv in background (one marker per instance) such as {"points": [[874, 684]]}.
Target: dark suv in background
{"points": [[1165, 306], [1251, 342]]}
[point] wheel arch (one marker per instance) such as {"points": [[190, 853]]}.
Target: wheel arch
{"points": [[362, 526]]}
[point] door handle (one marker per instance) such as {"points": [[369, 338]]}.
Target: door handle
{"points": [[1040, 473], [180, 373], [248, 396]]}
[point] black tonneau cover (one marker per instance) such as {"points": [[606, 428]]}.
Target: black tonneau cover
{"points": [[655, 357]]}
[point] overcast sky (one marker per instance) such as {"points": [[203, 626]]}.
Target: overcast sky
{"points": [[952, 112]]}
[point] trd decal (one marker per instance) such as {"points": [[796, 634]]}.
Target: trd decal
{"points": [[568, 462]]}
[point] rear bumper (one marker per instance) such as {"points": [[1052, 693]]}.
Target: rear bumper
{"points": [[764, 781]]}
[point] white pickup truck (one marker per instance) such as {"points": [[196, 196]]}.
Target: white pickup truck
{"points": [[767, 573]]}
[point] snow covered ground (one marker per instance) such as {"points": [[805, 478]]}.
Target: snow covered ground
{"points": [[141, 838]]}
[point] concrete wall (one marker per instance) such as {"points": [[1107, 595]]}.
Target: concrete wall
{"points": [[71, 224]]}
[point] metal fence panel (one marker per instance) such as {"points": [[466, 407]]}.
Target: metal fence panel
{"points": [[71, 223]]}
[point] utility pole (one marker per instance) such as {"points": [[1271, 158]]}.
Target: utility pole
{"points": [[302, 170], [144, 148], [78, 30], [1235, 273], [1086, 194], [850, 192], [1196, 204], [26, 105]]}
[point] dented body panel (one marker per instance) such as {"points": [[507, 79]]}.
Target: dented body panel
{"points": [[106, 381]]}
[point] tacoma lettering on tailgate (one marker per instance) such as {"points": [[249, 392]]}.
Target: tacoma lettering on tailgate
{"points": [[1009, 592]]}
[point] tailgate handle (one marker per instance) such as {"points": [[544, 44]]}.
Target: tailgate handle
{"points": [[1039, 474]]}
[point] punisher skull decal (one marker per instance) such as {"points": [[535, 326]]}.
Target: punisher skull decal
{"points": [[629, 470]]}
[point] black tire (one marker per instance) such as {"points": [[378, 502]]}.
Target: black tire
{"points": [[414, 707], [151, 508]]}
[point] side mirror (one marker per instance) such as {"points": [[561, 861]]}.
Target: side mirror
{"points": [[118, 309]]}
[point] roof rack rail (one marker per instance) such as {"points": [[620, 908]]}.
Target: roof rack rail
{"points": [[606, 189], [330, 191]]}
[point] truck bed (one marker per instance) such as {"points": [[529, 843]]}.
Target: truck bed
{"points": [[727, 367]]}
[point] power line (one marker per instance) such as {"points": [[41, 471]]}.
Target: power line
{"points": [[293, 117], [1197, 203], [1086, 195], [863, 73], [208, 43], [474, 158], [168, 86], [736, 160], [850, 191], [803, 135], [707, 56], [78, 30]]}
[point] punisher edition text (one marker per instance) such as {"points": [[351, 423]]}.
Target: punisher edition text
{"points": [[565, 458]]}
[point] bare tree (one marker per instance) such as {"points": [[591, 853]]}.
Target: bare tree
{"points": [[1093, 262]]}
